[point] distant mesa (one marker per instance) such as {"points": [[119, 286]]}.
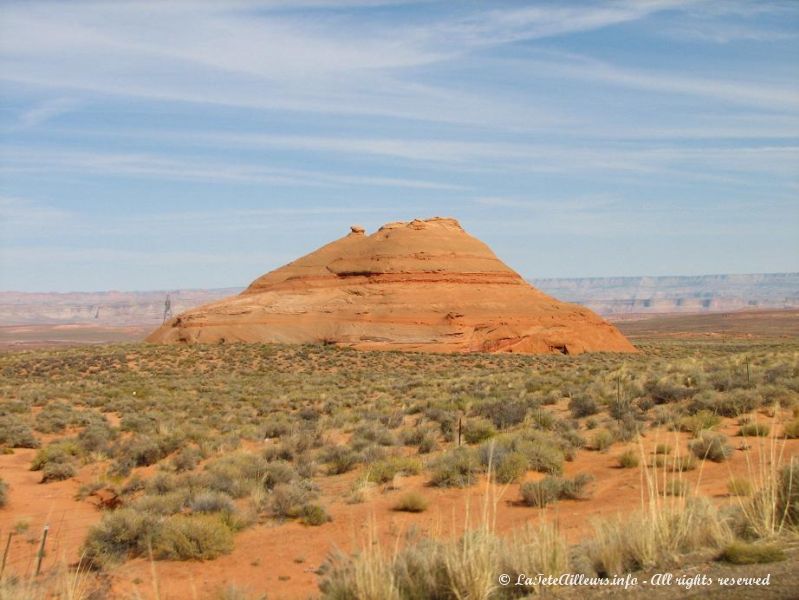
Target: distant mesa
{"points": [[424, 285]]}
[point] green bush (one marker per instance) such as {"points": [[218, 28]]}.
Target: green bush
{"points": [[702, 420], [314, 515], [510, 467], [583, 406], [791, 429], [212, 502], [478, 430], [383, 471], [60, 452], [550, 489], [340, 459], [711, 446], [121, 534], [288, 499], [602, 440], [737, 402], [628, 459], [504, 413], [755, 429], [455, 468], [412, 502], [195, 537], [541, 493], [744, 553], [58, 471], [16, 434]]}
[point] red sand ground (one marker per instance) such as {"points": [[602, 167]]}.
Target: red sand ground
{"points": [[281, 559]]}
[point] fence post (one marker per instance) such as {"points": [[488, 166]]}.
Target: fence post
{"points": [[5, 554], [40, 554]]}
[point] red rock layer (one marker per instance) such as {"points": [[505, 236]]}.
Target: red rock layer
{"points": [[422, 286]]}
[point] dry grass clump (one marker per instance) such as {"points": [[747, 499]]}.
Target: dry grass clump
{"points": [[711, 446], [551, 489], [656, 536], [745, 553], [412, 502], [628, 459], [466, 567]]}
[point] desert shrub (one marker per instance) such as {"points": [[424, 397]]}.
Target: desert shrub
{"points": [[701, 421], [745, 553], [412, 502], [339, 459], [602, 440], [163, 504], [96, 437], [668, 389], [236, 474], [628, 459], [275, 426], [755, 429], [737, 402], [510, 467], [583, 405], [504, 413], [121, 534], [540, 493], [186, 459], [676, 487], [575, 488], [478, 430], [365, 435], [681, 463], [791, 429], [455, 468], [60, 452], [195, 537], [385, 470], [212, 502], [54, 418], [711, 446], [137, 422], [651, 537], [544, 451], [3, 493], [58, 471], [277, 472], [428, 443], [392, 420], [16, 434], [287, 499], [662, 449], [314, 515], [740, 486], [788, 493]]}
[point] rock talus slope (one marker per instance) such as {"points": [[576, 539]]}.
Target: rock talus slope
{"points": [[423, 285]]}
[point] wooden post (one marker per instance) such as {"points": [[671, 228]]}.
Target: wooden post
{"points": [[5, 554], [40, 554], [460, 429], [748, 378]]}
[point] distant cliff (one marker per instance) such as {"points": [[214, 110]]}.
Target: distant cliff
{"points": [[617, 296], [611, 296]]}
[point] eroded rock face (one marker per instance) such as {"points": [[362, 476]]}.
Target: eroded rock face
{"points": [[423, 285]]}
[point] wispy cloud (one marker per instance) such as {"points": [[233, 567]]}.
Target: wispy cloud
{"points": [[29, 160], [45, 111]]}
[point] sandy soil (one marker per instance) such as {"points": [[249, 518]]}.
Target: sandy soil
{"points": [[281, 559]]}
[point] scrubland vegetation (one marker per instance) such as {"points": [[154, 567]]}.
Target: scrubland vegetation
{"points": [[199, 443]]}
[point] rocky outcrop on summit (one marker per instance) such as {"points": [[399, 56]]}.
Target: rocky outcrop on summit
{"points": [[423, 285]]}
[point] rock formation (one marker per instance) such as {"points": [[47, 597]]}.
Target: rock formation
{"points": [[424, 285]]}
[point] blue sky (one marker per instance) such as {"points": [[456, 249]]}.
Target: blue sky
{"points": [[164, 145]]}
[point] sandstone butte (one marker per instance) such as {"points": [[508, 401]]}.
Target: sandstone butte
{"points": [[423, 285]]}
